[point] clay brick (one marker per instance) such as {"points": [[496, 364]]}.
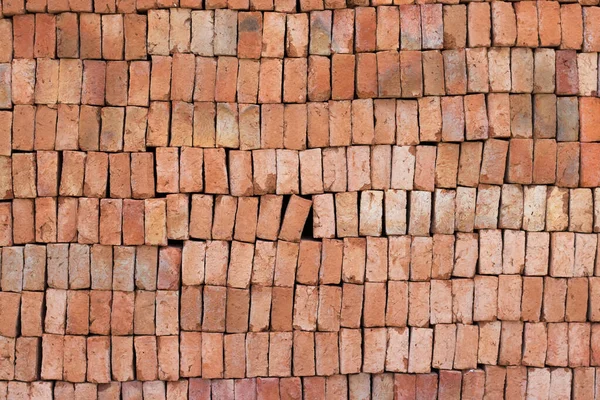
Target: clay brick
{"points": [[504, 25], [449, 384], [544, 74], [571, 26], [365, 27], [388, 28], [466, 347], [433, 70], [52, 360], [27, 359], [388, 74], [455, 71], [499, 68], [455, 26], [465, 209], [549, 19], [479, 24], [23, 34], [477, 69], [453, 118], [588, 172], [520, 159], [489, 339], [77, 312], [420, 353], [567, 79], [432, 26], [476, 122], [493, 162], [342, 36], [22, 81]]}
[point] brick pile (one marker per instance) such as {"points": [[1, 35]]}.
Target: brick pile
{"points": [[281, 199]]}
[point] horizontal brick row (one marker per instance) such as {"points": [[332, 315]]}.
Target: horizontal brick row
{"points": [[239, 291], [330, 261], [274, 34], [515, 382], [391, 212], [480, 301], [385, 74], [428, 120], [282, 171], [100, 359], [349, 214], [114, 221]]}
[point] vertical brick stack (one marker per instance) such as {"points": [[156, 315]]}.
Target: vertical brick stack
{"points": [[312, 199]]}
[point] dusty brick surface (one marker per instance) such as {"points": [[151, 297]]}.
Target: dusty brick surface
{"points": [[270, 199]]}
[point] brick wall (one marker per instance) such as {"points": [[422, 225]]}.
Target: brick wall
{"points": [[322, 199]]}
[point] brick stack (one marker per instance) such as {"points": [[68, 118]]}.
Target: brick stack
{"points": [[322, 199]]}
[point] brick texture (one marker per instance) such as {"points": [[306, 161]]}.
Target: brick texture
{"points": [[318, 199]]}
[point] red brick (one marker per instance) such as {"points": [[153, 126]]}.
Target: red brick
{"points": [[388, 74], [135, 36], [589, 175], [549, 20], [571, 26]]}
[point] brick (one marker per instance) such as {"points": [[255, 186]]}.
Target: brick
{"points": [[465, 209], [522, 70], [420, 350], [146, 357], [388, 74], [520, 157], [476, 122], [588, 177], [504, 25], [202, 32], [455, 71], [489, 339], [433, 79], [23, 35], [571, 26], [477, 69], [548, 19], [22, 80], [544, 76], [479, 25], [499, 68], [567, 80], [52, 360], [455, 26]]}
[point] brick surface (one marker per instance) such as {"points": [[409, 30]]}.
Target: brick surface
{"points": [[329, 199]]}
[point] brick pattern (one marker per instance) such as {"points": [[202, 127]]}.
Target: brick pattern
{"points": [[318, 199]]}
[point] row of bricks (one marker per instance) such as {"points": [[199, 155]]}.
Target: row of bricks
{"points": [[284, 354], [386, 74], [17, 7], [298, 126], [306, 172], [311, 308], [331, 261], [114, 221], [246, 173], [155, 221], [254, 35], [324, 307], [491, 382]]}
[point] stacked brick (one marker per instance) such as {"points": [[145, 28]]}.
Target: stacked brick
{"points": [[322, 199]]}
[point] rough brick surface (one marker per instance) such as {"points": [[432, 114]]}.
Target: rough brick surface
{"points": [[322, 199]]}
